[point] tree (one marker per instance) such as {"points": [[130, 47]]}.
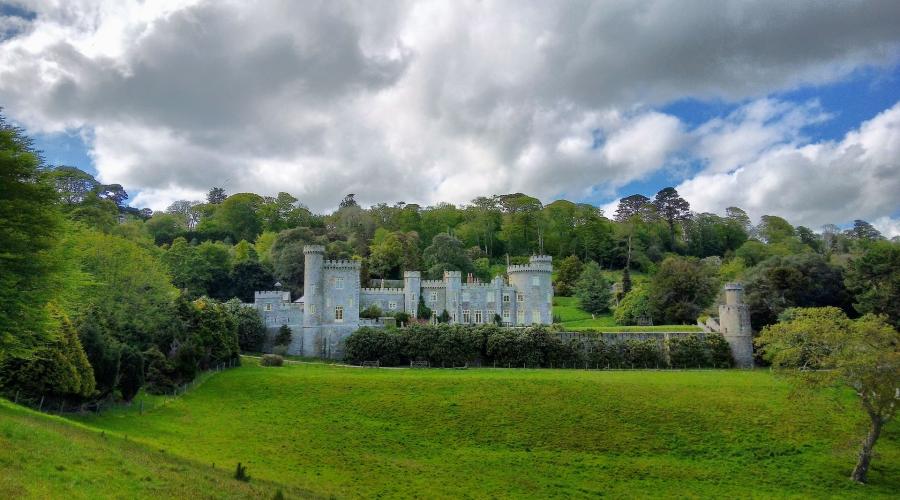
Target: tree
{"points": [[72, 184], [739, 217], [385, 253], [237, 216], [187, 211], [131, 372], [863, 231], [773, 229], [874, 280], [288, 258], [248, 277], [215, 196], [820, 347], [163, 228], [284, 336], [634, 308], [446, 253], [422, 311], [251, 330], [349, 201], [30, 223], [681, 289], [567, 274], [592, 289], [780, 283], [672, 208]]}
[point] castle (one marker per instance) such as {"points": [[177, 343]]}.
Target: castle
{"points": [[332, 299]]}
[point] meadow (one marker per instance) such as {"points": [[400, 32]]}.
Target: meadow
{"points": [[348, 432], [567, 313]]}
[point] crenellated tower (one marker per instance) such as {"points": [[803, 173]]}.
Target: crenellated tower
{"points": [[412, 288], [734, 322], [533, 281]]}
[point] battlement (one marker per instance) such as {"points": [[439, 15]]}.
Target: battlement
{"points": [[452, 274], [273, 294], [398, 291], [546, 259], [342, 264], [412, 274], [313, 249], [478, 285], [534, 267], [734, 286], [432, 284]]}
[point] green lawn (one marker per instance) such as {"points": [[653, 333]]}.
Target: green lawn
{"points": [[353, 432], [44, 456], [572, 318]]}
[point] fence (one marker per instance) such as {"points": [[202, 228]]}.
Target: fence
{"points": [[140, 404]]}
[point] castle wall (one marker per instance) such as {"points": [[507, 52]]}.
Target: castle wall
{"points": [[383, 298], [534, 300]]}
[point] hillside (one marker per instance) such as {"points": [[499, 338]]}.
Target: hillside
{"points": [[525, 433], [49, 457]]}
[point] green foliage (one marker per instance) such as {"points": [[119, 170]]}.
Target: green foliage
{"points": [[567, 274], [688, 352], [779, 283], [874, 280], [371, 312], [164, 228], [821, 347], [681, 289], [753, 252], [283, 337], [131, 372], [446, 253], [251, 330], [592, 289], [634, 307], [423, 311]]}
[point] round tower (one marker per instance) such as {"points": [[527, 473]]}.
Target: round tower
{"points": [[734, 321], [412, 288], [313, 284], [533, 280], [453, 284]]}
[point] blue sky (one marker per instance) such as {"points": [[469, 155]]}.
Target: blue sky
{"points": [[785, 108]]}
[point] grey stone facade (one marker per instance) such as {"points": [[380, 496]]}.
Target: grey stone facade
{"points": [[332, 298]]}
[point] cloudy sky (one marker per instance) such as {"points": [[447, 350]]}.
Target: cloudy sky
{"points": [[779, 107]]}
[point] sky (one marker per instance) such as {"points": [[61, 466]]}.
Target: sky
{"points": [[780, 108]]}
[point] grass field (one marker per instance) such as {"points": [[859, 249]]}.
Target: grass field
{"points": [[49, 457], [356, 432], [574, 319]]}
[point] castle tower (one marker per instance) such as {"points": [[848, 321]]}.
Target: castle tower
{"points": [[313, 285], [453, 284], [412, 287], [734, 320], [533, 280]]}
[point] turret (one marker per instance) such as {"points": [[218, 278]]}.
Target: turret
{"points": [[734, 321], [533, 280], [313, 284], [453, 284], [412, 287]]}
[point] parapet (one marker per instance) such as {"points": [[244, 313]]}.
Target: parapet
{"points": [[734, 286], [546, 259], [342, 264], [412, 274], [533, 267], [382, 290], [432, 284], [272, 294], [313, 249]]}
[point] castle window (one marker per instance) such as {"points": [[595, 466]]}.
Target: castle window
{"points": [[453, 317], [535, 281], [466, 316], [312, 308], [506, 298], [520, 297], [392, 305], [520, 317], [433, 297], [536, 317], [268, 307], [506, 315], [339, 314], [478, 316], [339, 283]]}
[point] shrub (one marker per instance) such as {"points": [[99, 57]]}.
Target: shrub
{"points": [[688, 352], [131, 372], [160, 373], [284, 336], [280, 350], [402, 318], [371, 312], [719, 351], [271, 360], [634, 306], [373, 344], [642, 353]]}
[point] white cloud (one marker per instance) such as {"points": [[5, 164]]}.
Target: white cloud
{"points": [[423, 101], [813, 184]]}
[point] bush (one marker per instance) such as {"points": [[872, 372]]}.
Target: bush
{"points": [[719, 351], [689, 352], [280, 350], [634, 306], [402, 318], [642, 354], [271, 360], [373, 344], [284, 336], [371, 312], [131, 372]]}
